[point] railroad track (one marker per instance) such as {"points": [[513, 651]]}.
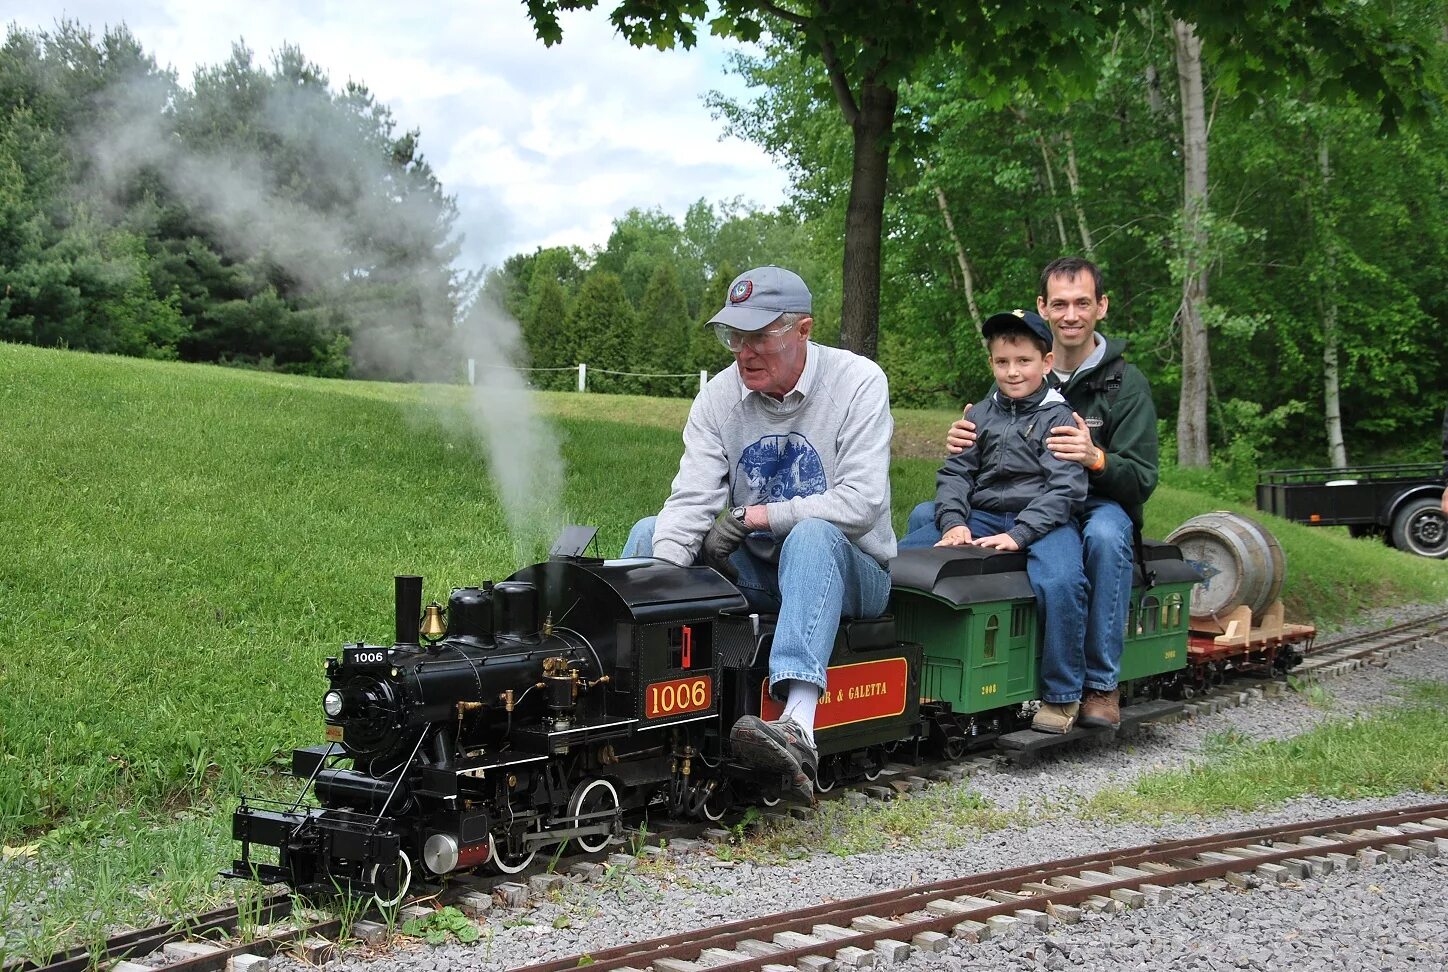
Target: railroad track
{"points": [[207, 943], [887, 927], [1343, 651]]}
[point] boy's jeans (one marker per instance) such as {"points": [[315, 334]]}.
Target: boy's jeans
{"points": [[1054, 566], [821, 576]]}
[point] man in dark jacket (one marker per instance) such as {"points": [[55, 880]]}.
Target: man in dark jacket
{"points": [[1114, 437]]}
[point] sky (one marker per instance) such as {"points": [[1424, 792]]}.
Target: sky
{"points": [[541, 146]]}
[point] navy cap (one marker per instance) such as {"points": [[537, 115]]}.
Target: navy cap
{"points": [[1013, 320], [757, 297]]}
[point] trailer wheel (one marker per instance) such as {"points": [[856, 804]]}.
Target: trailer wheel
{"points": [[1421, 528]]}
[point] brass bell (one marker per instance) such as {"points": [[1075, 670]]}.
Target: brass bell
{"points": [[433, 626]]}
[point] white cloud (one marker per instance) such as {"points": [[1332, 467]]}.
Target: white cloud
{"points": [[541, 145]]}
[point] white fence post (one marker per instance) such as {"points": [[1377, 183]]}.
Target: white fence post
{"points": [[582, 376], [472, 371], [703, 379]]}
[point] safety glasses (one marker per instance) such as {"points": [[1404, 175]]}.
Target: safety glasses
{"points": [[761, 342]]}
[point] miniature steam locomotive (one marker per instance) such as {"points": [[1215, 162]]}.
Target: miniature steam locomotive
{"points": [[543, 708]]}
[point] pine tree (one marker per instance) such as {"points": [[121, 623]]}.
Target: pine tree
{"points": [[545, 331], [662, 337], [600, 332]]}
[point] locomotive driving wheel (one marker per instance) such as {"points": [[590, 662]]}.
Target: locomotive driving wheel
{"points": [[875, 760], [590, 797], [404, 880], [711, 800], [511, 862], [828, 776]]}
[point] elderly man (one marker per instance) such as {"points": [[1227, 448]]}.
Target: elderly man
{"points": [[789, 448]]}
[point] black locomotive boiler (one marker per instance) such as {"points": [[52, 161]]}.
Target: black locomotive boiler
{"points": [[540, 711]]}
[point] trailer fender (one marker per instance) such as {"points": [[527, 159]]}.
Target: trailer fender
{"points": [[1411, 493]]}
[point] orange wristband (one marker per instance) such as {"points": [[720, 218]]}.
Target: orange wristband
{"points": [[1100, 462]]}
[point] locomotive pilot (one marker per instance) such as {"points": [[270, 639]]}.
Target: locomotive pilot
{"points": [[784, 488]]}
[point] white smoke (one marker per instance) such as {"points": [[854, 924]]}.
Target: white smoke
{"points": [[374, 216], [523, 449]]}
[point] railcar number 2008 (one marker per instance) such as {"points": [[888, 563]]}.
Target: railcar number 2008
{"points": [[678, 696]]}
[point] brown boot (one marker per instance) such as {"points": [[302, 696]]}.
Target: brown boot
{"points": [[1101, 710], [1055, 717]]}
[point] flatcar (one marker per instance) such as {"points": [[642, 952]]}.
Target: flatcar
{"points": [[542, 709]]}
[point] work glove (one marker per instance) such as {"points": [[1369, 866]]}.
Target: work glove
{"points": [[723, 538]]}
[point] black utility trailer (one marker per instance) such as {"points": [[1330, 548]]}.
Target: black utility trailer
{"points": [[1401, 502]]}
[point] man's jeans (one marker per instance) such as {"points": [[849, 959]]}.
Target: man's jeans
{"points": [[821, 576], [1054, 566]]}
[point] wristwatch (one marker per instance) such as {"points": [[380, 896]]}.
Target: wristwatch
{"points": [[738, 514]]}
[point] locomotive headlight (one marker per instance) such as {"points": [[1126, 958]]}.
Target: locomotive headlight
{"points": [[332, 704]]}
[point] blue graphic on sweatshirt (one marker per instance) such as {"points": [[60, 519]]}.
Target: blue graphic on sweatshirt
{"points": [[781, 467]]}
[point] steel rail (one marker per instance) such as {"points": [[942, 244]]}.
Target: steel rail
{"points": [[906, 900]]}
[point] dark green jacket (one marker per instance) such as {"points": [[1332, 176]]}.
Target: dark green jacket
{"points": [[1125, 431]]}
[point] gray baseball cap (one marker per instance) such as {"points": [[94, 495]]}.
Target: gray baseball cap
{"points": [[757, 297]]}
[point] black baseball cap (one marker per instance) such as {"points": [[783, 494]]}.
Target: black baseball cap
{"points": [[1012, 320]]}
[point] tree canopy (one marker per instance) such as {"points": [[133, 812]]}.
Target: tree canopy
{"points": [[1036, 48]]}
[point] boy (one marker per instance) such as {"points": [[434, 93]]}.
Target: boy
{"points": [[1011, 493]]}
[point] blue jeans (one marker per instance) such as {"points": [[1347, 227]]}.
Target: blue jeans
{"points": [[1106, 540], [1054, 567], [821, 577]]}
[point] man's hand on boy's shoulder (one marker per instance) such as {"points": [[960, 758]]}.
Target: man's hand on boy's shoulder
{"points": [[1000, 541], [962, 433], [955, 537], [1072, 443]]}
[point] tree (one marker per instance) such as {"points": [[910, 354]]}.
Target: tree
{"points": [[544, 333], [662, 339], [706, 353], [600, 332], [640, 241], [1196, 361], [867, 51]]}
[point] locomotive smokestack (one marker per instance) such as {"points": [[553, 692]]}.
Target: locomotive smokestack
{"points": [[409, 608]]}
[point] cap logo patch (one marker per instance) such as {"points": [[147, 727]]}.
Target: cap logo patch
{"points": [[741, 291]]}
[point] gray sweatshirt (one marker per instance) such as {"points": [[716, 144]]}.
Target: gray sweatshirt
{"points": [[823, 452]]}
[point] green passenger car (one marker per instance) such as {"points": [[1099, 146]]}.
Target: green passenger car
{"points": [[975, 613], [1156, 624]]}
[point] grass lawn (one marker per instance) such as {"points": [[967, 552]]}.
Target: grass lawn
{"points": [[185, 545]]}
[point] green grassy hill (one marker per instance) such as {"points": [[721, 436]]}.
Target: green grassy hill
{"points": [[185, 545]]}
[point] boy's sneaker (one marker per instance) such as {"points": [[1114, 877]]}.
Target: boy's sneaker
{"points": [[1056, 717], [778, 747], [1101, 710]]}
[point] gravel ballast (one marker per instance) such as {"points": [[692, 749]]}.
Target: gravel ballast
{"points": [[1385, 917]]}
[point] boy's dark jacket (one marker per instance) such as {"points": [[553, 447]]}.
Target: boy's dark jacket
{"points": [[1010, 470], [1123, 426]]}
